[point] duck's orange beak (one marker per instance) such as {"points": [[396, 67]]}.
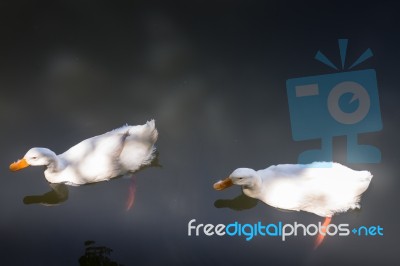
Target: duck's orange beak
{"points": [[222, 184], [21, 164]]}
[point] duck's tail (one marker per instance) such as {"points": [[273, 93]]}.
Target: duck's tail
{"points": [[361, 184], [147, 133], [151, 131], [367, 176]]}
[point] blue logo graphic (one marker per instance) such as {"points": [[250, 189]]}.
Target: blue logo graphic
{"points": [[339, 104]]}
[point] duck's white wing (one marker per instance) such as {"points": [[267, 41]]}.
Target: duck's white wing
{"points": [[337, 190], [319, 172], [321, 190], [109, 155], [95, 159]]}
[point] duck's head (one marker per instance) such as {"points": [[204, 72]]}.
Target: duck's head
{"points": [[245, 177], [34, 157]]}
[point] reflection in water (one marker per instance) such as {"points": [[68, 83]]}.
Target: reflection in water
{"points": [[132, 192], [95, 256], [58, 194], [241, 202], [132, 187]]}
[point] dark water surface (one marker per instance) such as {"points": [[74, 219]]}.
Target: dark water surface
{"points": [[212, 74]]}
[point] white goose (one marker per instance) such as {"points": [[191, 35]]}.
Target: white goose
{"points": [[320, 188], [115, 153]]}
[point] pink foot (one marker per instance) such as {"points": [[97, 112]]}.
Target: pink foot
{"points": [[321, 237]]}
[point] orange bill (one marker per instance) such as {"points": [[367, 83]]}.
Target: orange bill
{"points": [[21, 164], [222, 184]]}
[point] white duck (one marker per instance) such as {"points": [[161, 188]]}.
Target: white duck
{"points": [[115, 153], [320, 188]]}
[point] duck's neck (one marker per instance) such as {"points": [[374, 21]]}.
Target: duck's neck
{"points": [[55, 164], [54, 169], [253, 190]]}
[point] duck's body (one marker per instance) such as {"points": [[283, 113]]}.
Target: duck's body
{"points": [[96, 159], [320, 188]]}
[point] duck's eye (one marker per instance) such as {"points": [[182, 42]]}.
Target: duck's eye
{"points": [[34, 157]]}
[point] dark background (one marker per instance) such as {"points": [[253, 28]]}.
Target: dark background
{"points": [[212, 74]]}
